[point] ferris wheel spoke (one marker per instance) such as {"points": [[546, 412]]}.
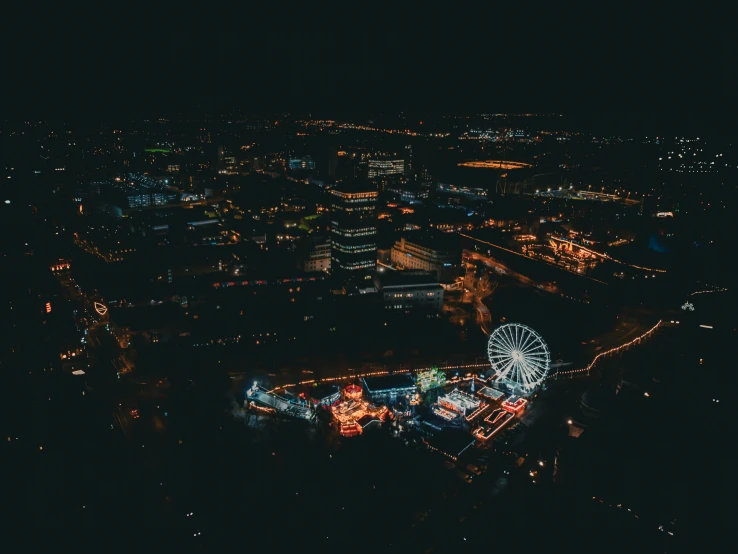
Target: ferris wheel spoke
{"points": [[507, 368], [531, 346], [538, 370], [535, 374], [508, 337], [526, 343], [512, 334], [522, 374], [503, 343], [499, 349], [502, 338], [535, 360]]}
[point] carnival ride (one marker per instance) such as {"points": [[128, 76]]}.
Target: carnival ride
{"points": [[519, 356]]}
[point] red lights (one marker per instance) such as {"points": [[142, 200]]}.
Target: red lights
{"points": [[514, 405]]}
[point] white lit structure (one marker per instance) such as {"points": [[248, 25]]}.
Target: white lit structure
{"points": [[458, 404], [519, 356], [492, 394], [272, 402]]}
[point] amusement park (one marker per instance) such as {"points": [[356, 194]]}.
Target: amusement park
{"points": [[471, 403]]}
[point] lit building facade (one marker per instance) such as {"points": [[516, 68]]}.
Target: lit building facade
{"points": [[301, 163], [409, 194], [379, 167], [319, 258], [354, 231], [440, 258], [403, 293]]}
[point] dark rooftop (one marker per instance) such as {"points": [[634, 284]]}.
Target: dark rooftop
{"points": [[451, 441], [405, 279], [387, 382], [319, 392], [365, 420], [356, 185]]}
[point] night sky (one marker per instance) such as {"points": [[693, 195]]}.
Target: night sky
{"points": [[95, 62]]}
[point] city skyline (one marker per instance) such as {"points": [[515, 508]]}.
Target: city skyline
{"points": [[282, 281]]}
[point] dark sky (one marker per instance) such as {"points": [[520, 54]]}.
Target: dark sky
{"points": [[369, 58]]}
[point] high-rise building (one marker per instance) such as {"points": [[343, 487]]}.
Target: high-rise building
{"points": [[354, 231], [332, 161], [424, 176], [386, 166], [408, 161]]}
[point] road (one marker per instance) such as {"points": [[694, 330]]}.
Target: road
{"points": [[498, 268]]}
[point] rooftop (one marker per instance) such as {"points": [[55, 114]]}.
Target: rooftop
{"points": [[389, 382], [400, 279], [367, 419], [355, 186], [433, 241], [321, 391], [451, 442]]}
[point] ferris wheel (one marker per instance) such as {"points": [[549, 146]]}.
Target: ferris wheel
{"points": [[519, 356]]}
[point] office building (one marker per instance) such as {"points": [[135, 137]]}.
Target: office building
{"points": [[379, 167], [332, 161], [316, 255], [354, 231], [305, 162], [404, 293], [441, 257], [121, 196], [409, 192], [408, 169]]}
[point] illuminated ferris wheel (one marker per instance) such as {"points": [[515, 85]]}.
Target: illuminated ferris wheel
{"points": [[519, 356]]}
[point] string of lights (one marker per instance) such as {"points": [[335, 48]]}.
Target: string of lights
{"points": [[607, 256], [588, 368], [524, 256], [372, 374], [706, 291]]}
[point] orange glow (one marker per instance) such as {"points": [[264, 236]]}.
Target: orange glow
{"points": [[495, 164]]}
